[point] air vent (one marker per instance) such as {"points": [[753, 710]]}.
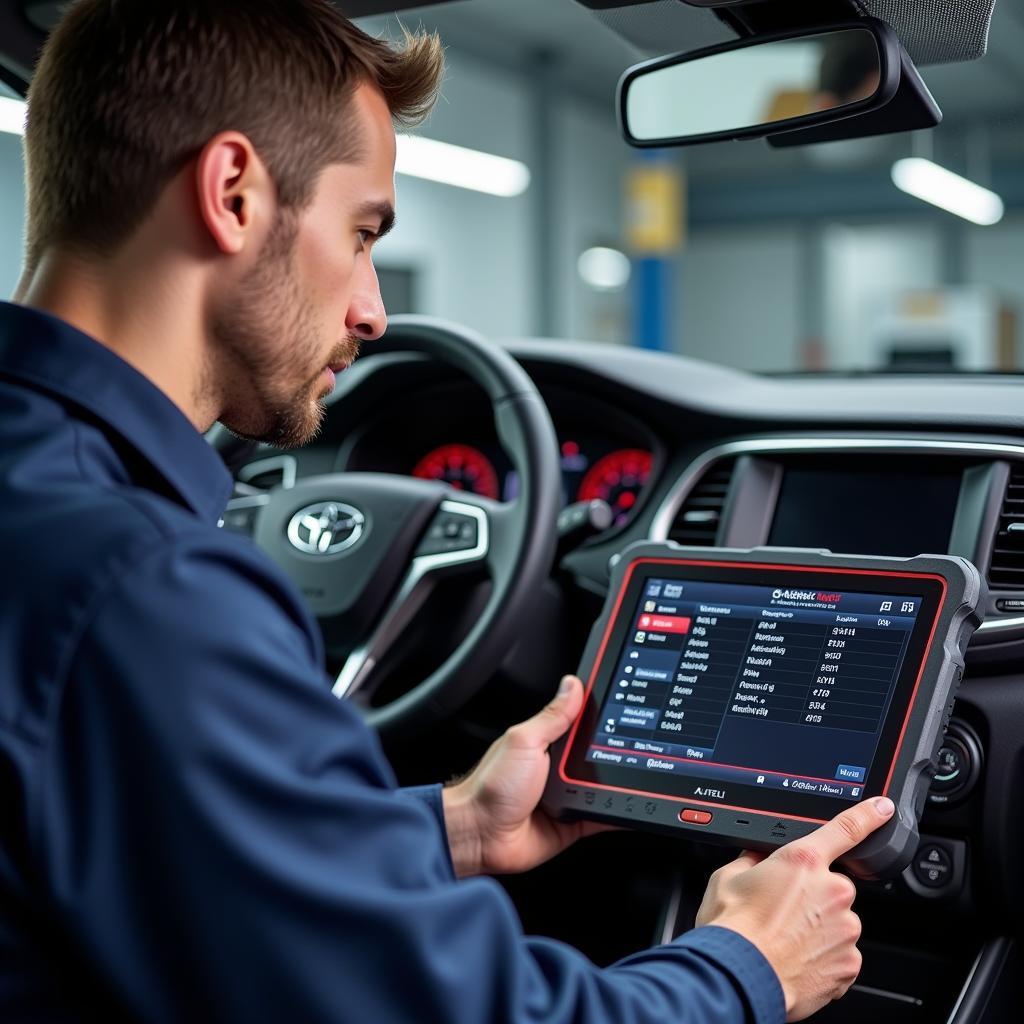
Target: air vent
{"points": [[696, 522], [268, 473], [1006, 570]]}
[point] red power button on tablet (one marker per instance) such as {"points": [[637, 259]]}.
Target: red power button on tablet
{"points": [[693, 817]]}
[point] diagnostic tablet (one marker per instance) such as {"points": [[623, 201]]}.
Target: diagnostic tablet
{"points": [[746, 697]]}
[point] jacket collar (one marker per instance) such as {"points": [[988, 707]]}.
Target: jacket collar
{"points": [[46, 353]]}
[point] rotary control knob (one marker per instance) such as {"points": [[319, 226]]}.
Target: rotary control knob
{"points": [[953, 759], [958, 765]]}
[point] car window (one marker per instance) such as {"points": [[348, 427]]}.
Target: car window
{"points": [[798, 260], [803, 259], [12, 202]]}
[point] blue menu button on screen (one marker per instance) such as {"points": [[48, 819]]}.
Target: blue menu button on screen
{"points": [[850, 773]]}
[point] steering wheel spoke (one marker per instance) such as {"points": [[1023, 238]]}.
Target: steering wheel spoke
{"points": [[457, 540], [459, 535], [242, 513]]}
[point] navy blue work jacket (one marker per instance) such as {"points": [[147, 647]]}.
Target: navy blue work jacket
{"points": [[192, 828]]}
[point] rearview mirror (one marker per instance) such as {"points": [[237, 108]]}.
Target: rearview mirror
{"points": [[760, 86]]}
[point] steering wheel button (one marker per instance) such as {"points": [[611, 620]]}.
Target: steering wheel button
{"points": [[239, 520], [693, 817]]}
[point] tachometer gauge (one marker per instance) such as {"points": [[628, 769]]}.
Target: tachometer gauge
{"points": [[618, 479], [462, 467]]}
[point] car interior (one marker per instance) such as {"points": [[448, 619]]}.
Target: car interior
{"points": [[762, 290]]}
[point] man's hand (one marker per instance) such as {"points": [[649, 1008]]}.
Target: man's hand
{"points": [[797, 911], [493, 821]]}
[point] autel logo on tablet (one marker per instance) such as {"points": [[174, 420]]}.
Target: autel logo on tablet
{"points": [[718, 794]]}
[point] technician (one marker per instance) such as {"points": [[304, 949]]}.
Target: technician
{"points": [[193, 828]]}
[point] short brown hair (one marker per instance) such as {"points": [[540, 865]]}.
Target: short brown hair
{"points": [[127, 91]]}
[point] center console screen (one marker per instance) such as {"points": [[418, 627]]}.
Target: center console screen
{"points": [[870, 511]]}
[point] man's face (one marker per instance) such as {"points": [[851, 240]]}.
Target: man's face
{"points": [[299, 315]]}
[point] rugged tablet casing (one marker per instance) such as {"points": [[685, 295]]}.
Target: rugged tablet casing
{"points": [[886, 852]]}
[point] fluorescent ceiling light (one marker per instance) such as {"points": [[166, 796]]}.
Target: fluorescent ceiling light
{"points": [[464, 168], [418, 157], [936, 185], [12, 115], [604, 269]]}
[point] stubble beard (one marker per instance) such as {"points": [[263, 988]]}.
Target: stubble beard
{"points": [[264, 333]]}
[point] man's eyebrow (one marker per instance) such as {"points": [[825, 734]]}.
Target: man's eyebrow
{"points": [[383, 211]]}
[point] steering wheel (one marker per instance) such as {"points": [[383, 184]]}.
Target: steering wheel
{"points": [[366, 549]]}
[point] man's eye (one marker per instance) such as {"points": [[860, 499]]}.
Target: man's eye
{"points": [[365, 236]]}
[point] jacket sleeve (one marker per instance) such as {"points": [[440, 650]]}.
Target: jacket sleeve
{"points": [[223, 840]]}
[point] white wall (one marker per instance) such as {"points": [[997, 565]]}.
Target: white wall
{"points": [[475, 252], [471, 249], [12, 219], [741, 291], [864, 264], [591, 166], [738, 297], [995, 258]]}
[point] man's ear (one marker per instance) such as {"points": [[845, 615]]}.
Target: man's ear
{"points": [[234, 190]]}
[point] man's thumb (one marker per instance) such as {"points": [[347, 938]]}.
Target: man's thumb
{"points": [[553, 720]]}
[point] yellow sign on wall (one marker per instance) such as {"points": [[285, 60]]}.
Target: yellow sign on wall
{"points": [[655, 209]]}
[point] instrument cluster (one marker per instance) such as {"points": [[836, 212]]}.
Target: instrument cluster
{"points": [[591, 468], [446, 433]]}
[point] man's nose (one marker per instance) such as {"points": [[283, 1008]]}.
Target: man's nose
{"points": [[366, 316]]}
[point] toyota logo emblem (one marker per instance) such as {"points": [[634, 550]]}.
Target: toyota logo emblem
{"points": [[325, 528]]}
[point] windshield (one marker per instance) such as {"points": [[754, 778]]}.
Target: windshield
{"points": [[808, 259]]}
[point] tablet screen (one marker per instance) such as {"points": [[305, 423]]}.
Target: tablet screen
{"points": [[769, 688]]}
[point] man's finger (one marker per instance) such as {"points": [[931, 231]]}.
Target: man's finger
{"points": [[744, 862], [846, 830], [553, 721]]}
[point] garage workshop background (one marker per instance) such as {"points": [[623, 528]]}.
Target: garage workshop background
{"points": [[804, 259]]}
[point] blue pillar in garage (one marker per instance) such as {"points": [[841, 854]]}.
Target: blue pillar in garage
{"points": [[654, 228], [652, 303]]}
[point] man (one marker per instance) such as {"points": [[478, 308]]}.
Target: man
{"points": [[849, 70], [194, 828]]}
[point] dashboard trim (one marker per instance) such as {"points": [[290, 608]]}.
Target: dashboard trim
{"points": [[667, 511], [966, 987]]}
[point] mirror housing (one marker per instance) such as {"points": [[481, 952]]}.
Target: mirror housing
{"points": [[881, 67]]}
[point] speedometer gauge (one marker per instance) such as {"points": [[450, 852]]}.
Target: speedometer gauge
{"points": [[618, 479], [461, 467]]}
